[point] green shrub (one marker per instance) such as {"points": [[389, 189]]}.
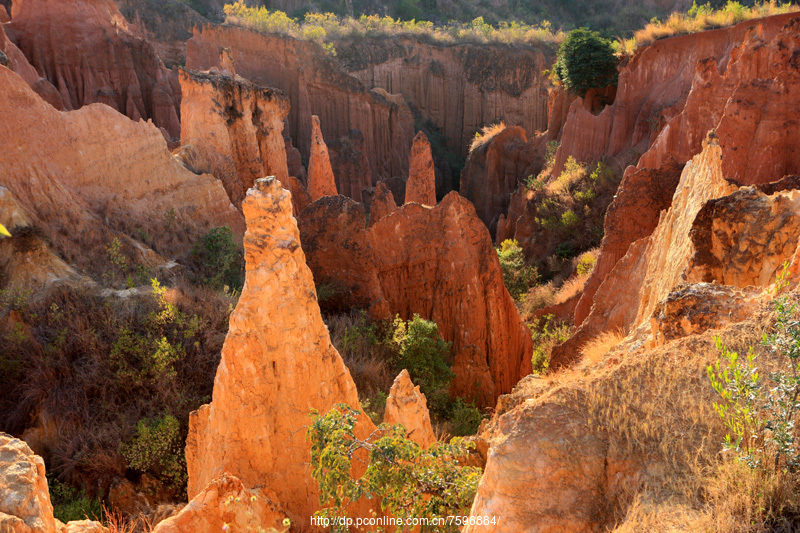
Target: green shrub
{"points": [[221, 260], [761, 414], [464, 418], [585, 61], [569, 219], [405, 480], [157, 449], [426, 356], [71, 504], [517, 276], [586, 263], [546, 334]]}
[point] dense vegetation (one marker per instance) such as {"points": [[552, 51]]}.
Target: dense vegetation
{"points": [[403, 480], [585, 61], [376, 351]]}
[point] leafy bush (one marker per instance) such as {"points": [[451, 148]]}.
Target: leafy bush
{"points": [[761, 415], [586, 263], [157, 449], [407, 481], [546, 334], [464, 418], [585, 61], [426, 356], [70, 503], [221, 260], [517, 276]]}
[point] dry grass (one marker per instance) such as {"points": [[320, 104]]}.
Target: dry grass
{"points": [[572, 287], [536, 298], [654, 407], [701, 19], [361, 345], [597, 348], [485, 136], [117, 523]]}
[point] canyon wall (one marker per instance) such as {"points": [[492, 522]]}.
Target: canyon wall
{"points": [[316, 85], [86, 50], [85, 176], [437, 262], [234, 127], [277, 365], [460, 88], [742, 89]]}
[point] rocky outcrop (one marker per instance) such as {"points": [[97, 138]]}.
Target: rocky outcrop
{"points": [[493, 171], [737, 77], [421, 184], [82, 188], [334, 237], [439, 263], [277, 365], [633, 214], [407, 406], [320, 174], [744, 238], [316, 85], [653, 265], [235, 127], [350, 165], [382, 204], [460, 88], [24, 497], [226, 504], [692, 309], [86, 50]]}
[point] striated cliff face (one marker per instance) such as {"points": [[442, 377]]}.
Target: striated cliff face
{"points": [[316, 85], [493, 170], [234, 127], [738, 81], [86, 50], [437, 262], [84, 175], [460, 88], [655, 264], [673, 91], [277, 365]]}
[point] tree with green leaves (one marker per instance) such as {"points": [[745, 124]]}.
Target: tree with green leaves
{"points": [[405, 480], [585, 61]]}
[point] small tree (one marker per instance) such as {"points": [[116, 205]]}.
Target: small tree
{"points": [[408, 482], [517, 276], [426, 356], [585, 61]]}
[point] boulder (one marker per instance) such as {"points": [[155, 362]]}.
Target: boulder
{"points": [[24, 498], [383, 203], [226, 504], [407, 406], [278, 364]]}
